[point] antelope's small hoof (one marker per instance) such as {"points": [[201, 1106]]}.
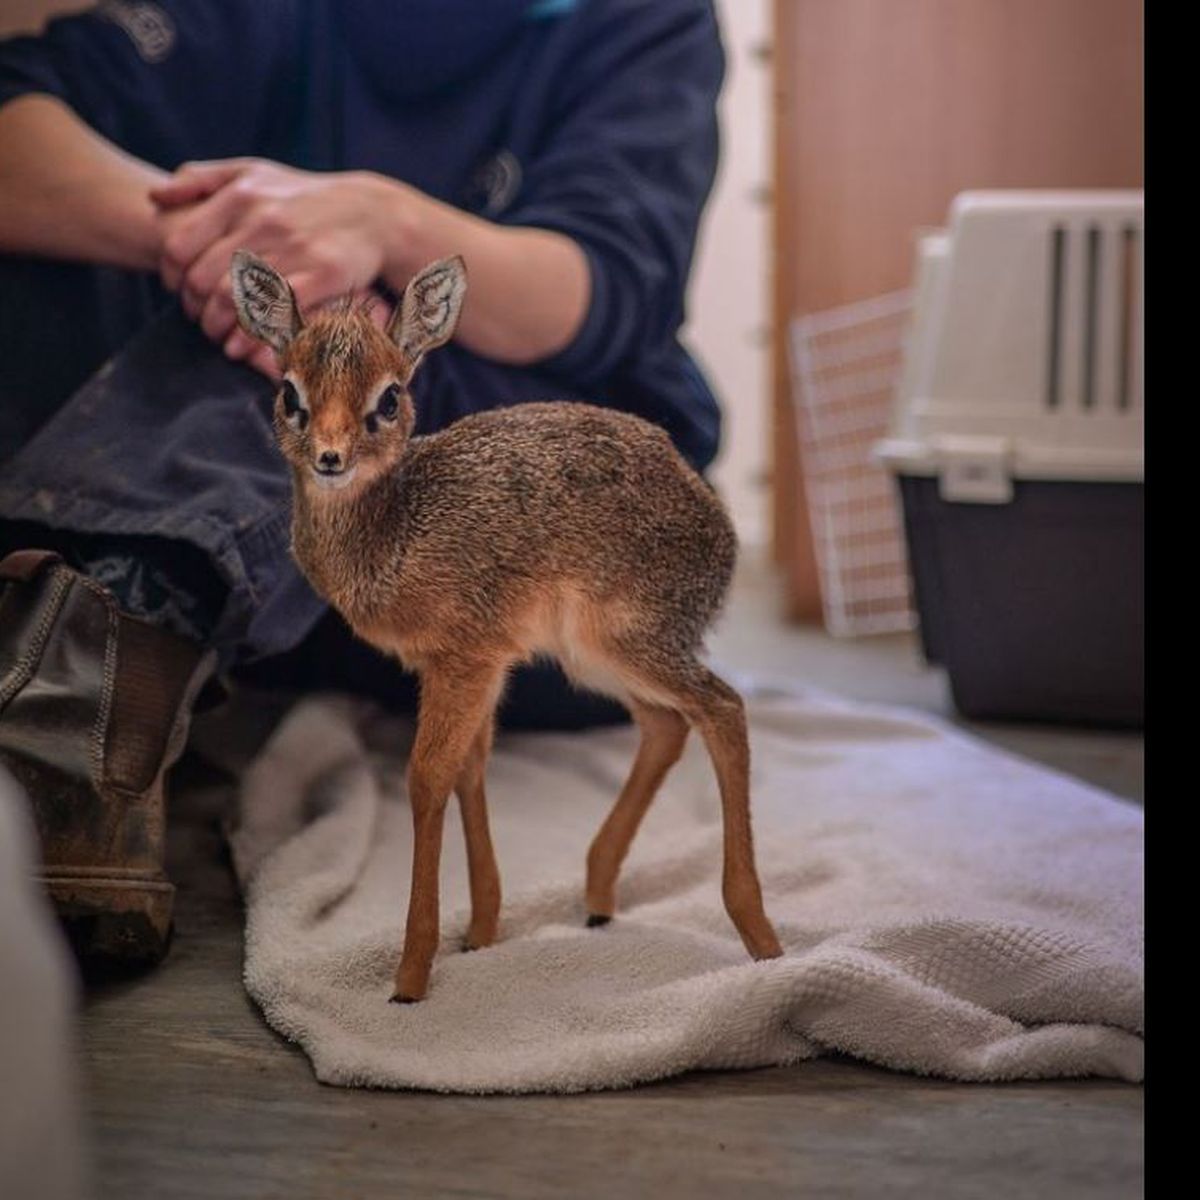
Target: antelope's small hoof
{"points": [[767, 949], [596, 920], [399, 999], [479, 939]]}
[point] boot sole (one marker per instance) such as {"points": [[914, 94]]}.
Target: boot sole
{"points": [[113, 916]]}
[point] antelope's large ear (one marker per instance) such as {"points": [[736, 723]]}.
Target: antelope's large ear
{"points": [[429, 309], [266, 307]]}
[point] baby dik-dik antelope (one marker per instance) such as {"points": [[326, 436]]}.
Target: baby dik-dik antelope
{"points": [[555, 529]]}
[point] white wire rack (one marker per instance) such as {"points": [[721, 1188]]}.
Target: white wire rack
{"points": [[846, 366]]}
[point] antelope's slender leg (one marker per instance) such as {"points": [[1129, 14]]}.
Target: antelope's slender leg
{"points": [[455, 700], [663, 736], [720, 715], [717, 712], [481, 857]]}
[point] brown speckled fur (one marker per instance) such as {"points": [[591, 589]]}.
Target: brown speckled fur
{"points": [[551, 529]]}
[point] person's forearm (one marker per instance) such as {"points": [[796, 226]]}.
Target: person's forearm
{"points": [[528, 289], [66, 192]]}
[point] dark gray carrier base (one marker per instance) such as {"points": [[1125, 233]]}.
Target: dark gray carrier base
{"points": [[1035, 608]]}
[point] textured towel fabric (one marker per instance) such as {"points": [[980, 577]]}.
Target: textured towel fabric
{"points": [[944, 908]]}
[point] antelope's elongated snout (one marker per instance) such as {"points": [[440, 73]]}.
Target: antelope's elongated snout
{"points": [[329, 462]]}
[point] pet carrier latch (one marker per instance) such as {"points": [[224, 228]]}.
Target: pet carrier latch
{"points": [[974, 470]]}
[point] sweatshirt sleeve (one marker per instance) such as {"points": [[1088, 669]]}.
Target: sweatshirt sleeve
{"points": [[624, 166], [166, 81], [75, 55]]}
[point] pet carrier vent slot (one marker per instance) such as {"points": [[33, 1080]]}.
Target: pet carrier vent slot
{"points": [[1058, 247], [1129, 249], [1091, 316]]}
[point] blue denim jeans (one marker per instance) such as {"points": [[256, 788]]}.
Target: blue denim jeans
{"points": [[170, 444]]}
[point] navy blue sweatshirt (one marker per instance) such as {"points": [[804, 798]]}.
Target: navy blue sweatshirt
{"points": [[592, 117]]}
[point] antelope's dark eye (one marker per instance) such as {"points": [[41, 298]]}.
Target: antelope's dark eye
{"points": [[389, 403], [293, 410]]}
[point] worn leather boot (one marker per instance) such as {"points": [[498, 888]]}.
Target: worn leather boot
{"points": [[94, 708]]}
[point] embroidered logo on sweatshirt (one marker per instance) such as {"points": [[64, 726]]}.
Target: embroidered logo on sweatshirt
{"points": [[495, 185], [149, 28]]}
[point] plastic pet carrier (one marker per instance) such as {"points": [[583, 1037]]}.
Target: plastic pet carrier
{"points": [[1017, 443]]}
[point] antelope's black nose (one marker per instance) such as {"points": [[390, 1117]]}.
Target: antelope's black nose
{"points": [[329, 462]]}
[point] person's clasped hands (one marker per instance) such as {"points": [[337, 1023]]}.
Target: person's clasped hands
{"points": [[319, 229]]}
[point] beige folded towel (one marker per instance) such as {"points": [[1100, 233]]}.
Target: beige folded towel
{"points": [[944, 908]]}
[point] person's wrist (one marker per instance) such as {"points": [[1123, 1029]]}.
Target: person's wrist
{"points": [[145, 232], [399, 215]]}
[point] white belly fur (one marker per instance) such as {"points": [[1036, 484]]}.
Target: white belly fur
{"points": [[559, 632]]}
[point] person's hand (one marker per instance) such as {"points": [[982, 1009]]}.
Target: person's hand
{"points": [[317, 229]]}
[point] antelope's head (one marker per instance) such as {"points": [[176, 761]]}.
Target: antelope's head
{"points": [[344, 413]]}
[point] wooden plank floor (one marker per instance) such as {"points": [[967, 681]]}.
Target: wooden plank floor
{"points": [[191, 1095]]}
